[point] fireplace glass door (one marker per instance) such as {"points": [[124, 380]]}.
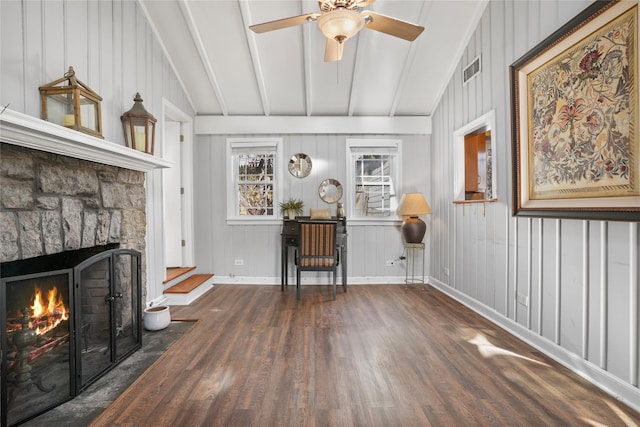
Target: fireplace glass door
{"points": [[108, 312], [93, 319], [127, 307], [37, 344]]}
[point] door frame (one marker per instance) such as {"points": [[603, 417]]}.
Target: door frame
{"points": [[172, 113]]}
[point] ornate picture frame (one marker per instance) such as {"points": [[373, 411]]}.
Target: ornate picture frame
{"points": [[574, 106]]}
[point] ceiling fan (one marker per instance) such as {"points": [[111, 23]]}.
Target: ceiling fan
{"points": [[340, 20]]}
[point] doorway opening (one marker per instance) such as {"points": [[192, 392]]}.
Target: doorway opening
{"points": [[477, 156], [474, 171], [177, 189]]}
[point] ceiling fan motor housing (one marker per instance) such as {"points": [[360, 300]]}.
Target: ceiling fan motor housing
{"points": [[329, 5]]}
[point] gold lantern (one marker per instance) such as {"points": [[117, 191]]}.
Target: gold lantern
{"points": [[139, 127], [72, 104]]}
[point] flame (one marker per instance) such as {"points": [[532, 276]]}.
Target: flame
{"points": [[47, 315]]}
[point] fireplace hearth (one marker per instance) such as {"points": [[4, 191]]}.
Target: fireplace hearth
{"points": [[65, 320]]}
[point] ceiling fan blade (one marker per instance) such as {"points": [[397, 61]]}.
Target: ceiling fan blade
{"points": [[363, 3], [392, 26], [333, 51], [284, 23]]}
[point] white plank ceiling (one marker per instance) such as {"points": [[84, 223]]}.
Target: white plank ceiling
{"points": [[227, 70]]}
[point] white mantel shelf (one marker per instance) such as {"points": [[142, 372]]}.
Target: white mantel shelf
{"points": [[31, 132]]}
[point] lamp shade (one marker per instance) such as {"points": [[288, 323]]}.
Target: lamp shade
{"points": [[340, 24], [411, 205]]}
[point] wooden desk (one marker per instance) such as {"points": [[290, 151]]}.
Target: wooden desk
{"points": [[289, 238]]}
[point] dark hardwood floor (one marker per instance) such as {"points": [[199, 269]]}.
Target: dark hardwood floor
{"points": [[380, 355]]}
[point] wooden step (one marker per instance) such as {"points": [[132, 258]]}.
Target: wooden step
{"points": [[188, 284], [173, 272]]}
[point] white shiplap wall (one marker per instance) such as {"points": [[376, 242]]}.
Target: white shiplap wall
{"points": [[109, 44], [218, 245], [114, 51], [580, 277]]}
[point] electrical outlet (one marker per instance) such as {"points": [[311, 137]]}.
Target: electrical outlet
{"points": [[523, 299], [390, 263], [446, 271], [239, 262]]}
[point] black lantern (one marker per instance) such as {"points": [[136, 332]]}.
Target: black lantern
{"points": [[139, 127], [70, 103]]}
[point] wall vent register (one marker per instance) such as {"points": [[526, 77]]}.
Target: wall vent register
{"points": [[471, 70]]}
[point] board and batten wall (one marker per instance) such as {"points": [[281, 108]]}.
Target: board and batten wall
{"points": [[219, 245], [577, 281], [115, 52]]}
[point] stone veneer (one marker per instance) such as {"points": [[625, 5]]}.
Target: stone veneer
{"points": [[51, 203]]}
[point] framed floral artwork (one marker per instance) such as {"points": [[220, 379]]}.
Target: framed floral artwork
{"points": [[574, 102]]}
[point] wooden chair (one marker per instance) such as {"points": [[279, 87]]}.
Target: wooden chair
{"points": [[317, 250]]}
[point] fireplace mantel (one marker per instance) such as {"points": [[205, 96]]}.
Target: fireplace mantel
{"points": [[27, 131]]}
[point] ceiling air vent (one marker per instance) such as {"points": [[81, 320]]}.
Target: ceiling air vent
{"points": [[470, 71]]}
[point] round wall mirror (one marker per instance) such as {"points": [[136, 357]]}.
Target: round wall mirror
{"points": [[330, 190], [300, 165]]}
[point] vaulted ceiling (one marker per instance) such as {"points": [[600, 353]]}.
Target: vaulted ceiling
{"points": [[228, 70]]}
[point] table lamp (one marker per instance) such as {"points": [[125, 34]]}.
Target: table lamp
{"points": [[411, 205]]}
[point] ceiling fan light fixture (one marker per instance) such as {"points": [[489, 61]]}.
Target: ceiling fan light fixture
{"points": [[340, 24]]}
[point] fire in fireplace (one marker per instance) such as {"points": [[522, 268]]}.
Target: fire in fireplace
{"points": [[62, 329], [48, 312]]}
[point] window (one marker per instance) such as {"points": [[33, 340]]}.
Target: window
{"points": [[373, 179], [374, 185], [254, 179]]}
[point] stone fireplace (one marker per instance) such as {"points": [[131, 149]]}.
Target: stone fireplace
{"points": [[67, 199], [51, 204]]}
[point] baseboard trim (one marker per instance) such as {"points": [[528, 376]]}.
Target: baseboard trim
{"points": [[308, 280], [617, 388]]}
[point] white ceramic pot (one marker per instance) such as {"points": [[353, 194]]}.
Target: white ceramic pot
{"points": [[156, 318]]}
